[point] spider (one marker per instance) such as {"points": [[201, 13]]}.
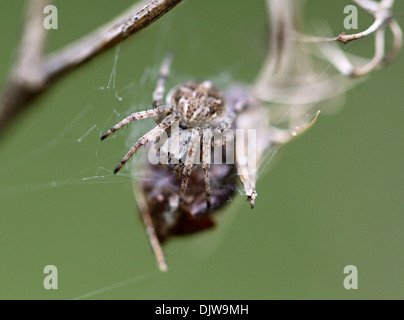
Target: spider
{"points": [[199, 107]]}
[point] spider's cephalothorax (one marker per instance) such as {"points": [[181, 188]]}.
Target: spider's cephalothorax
{"points": [[199, 107], [198, 103]]}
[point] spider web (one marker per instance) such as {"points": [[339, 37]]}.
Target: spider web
{"points": [[81, 130], [78, 131]]}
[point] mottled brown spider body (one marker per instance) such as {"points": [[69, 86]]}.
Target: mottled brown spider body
{"points": [[198, 107], [198, 102], [201, 114]]}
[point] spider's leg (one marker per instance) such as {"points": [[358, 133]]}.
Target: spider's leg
{"points": [[206, 153], [158, 93], [167, 122], [226, 124], [138, 116], [189, 162], [230, 117], [228, 121]]}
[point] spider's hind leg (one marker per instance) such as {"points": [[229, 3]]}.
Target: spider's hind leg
{"points": [[158, 93]]}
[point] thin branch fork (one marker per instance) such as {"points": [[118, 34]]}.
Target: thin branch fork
{"points": [[380, 11], [383, 17], [34, 73]]}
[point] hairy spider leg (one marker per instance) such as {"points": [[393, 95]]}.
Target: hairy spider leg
{"points": [[189, 162], [206, 153], [164, 125], [158, 93], [137, 116]]}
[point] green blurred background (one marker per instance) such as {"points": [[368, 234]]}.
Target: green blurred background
{"points": [[334, 197]]}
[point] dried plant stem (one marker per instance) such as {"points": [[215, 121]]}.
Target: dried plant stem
{"points": [[34, 73], [383, 17]]}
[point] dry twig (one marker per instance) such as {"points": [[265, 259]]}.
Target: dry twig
{"points": [[383, 17], [34, 73]]}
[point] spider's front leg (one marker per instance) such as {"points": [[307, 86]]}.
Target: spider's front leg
{"points": [[137, 116], [167, 122], [189, 161]]}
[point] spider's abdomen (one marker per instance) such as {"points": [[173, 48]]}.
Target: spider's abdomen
{"points": [[198, 103]]}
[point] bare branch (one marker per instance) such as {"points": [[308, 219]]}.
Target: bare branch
{"points": [[33, 73], [148, 222], [32, 43], [106, 37], [397, 42], [26, 78], [377, 58], [370, 5], [288, 76], [382, 13]]}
